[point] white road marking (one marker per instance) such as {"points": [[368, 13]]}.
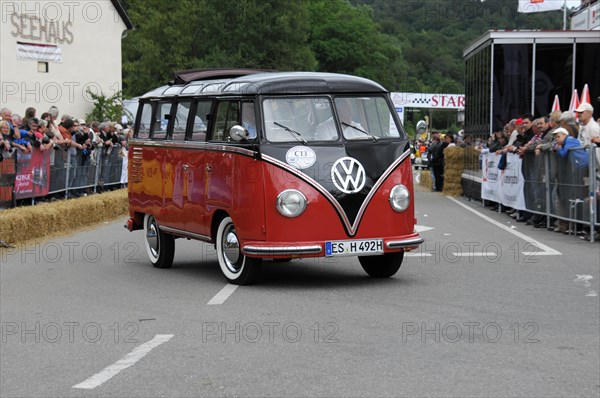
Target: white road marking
{"points": [[128, 360], [545, 250], [422, 228], [223, 294]]}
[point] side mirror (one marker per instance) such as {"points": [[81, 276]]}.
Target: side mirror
{"points": [[238, 133]]}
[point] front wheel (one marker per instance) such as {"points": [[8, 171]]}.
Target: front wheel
{"points": [[159, 245], [382, 266], [237, 268]]}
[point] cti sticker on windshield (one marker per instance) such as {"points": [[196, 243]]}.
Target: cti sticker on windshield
{"points": [[300, 157]]}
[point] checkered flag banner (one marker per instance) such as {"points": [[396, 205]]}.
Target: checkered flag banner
{"points": [[426, 100]]}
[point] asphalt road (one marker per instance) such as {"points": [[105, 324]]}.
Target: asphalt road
{"points": [[482, 309]]}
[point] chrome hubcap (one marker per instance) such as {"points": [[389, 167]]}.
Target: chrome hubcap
{"points": [[231, 249], [152, 238]]}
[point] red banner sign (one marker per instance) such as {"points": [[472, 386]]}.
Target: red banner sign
{"points": [[33, 170]]}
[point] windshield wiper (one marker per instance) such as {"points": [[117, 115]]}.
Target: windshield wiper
{"points": [[296, 134], [375, 139]]}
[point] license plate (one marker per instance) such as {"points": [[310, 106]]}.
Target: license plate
{"points": [[354, 247]]}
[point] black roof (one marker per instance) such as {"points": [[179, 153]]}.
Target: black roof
{"points": [[273, 83], [191, 75]]}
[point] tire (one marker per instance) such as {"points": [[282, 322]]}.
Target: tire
{"points": [[382, 266], [235, 266], [160, 246]]}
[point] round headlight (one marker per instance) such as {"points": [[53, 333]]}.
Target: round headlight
{"points": [[291, 203], [399, 198]]}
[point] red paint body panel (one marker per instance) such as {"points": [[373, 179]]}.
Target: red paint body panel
{"points": [[194, 184]]}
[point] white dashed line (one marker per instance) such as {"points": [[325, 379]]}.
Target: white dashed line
{"points": [[223, 294], [422, 228], [123, 363], [544, 249]]}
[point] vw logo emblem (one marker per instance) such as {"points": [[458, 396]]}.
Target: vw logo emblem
{"points": [[348, 175]]}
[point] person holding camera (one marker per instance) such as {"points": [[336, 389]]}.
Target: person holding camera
{"points": [[68, 129], [36, 136], [109, 140]]}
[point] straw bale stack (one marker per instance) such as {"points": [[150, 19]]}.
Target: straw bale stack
{"points": [[454, 165], [61, 217], [426, 179]]}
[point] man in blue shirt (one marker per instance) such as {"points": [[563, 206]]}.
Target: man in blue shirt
{"points": [[566, 143]]}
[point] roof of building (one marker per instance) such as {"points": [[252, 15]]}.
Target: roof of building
{"points": [[122, 14], [530, 36]]}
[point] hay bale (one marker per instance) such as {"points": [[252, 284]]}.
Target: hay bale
{"points": [[35, 222], [454, 165], [426, 179]]}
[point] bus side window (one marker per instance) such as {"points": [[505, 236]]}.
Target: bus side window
{"points": [[227, 116], [200, 122], [145, 121], [160, 121], [181, 117]]}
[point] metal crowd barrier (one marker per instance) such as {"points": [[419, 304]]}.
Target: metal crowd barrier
{"points": [[65, 172], [559, 188]]}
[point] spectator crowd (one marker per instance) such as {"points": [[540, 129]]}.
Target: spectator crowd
{"points": [[83, 143], [567, 138]]}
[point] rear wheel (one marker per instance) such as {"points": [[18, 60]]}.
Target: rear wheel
{"points": [[159, 245], [382, 266], [237, 268]]}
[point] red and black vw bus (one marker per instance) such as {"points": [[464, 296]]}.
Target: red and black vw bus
{"points": [[272, 165]]}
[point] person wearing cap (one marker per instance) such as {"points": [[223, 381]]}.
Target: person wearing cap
{"points": [[589, 127], [565, 144]]}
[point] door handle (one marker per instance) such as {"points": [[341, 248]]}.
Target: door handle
{"points": [[208, 168], [185, 167]]}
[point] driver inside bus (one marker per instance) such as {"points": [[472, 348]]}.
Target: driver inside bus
{"points": [[248, 120], [327, 131]]}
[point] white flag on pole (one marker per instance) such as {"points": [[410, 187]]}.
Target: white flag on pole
{"points": [[529, 6]]}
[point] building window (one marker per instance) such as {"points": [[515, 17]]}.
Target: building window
{"points": [[42, 67]]}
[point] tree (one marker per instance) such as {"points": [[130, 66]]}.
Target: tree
{"points": [[186, 34], [345, 39], [107, 108]]}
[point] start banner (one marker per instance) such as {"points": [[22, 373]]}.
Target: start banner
{"points": [[503, 186]]}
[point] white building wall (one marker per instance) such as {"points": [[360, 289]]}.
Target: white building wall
{"points": [[88, 34]]}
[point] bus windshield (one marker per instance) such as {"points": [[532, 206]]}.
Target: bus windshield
{"points": [[305, 119]]}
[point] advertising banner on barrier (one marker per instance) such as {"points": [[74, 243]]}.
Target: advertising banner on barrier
{"points": [[33, 170], [503, 186], [8, 172]]}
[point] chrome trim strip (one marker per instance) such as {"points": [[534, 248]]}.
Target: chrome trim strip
{"points": [[185, 234], [207, 146], [352, 229], [404, 243], [283, 250]]}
